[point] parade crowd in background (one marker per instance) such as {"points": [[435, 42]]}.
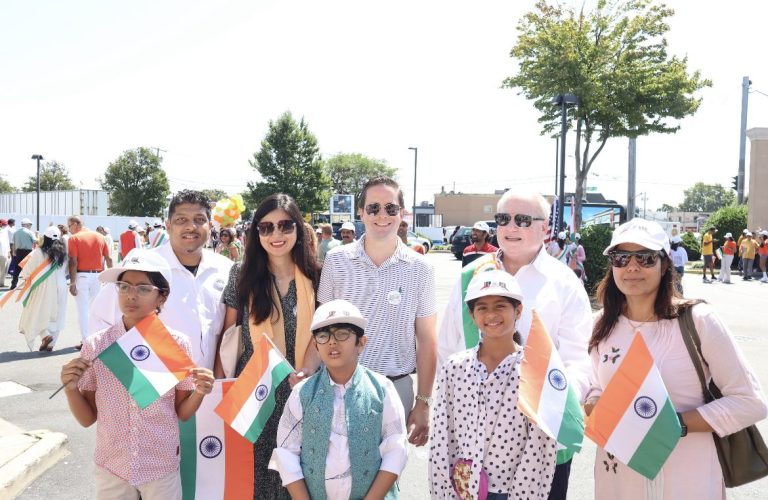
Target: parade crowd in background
{"points": [[302, 350]]}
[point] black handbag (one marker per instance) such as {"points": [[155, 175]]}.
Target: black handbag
{"points": [[743, 455]]}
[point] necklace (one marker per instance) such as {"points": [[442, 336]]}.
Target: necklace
{"points": [[638, 325]]}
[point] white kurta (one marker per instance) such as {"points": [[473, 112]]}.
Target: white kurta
{"points": [[47, 306], [692, 470]]}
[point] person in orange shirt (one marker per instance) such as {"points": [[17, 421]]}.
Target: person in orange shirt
{"points": [[748, 249], [729, 250], [762, 250]]}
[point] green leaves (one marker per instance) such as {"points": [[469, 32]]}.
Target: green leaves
{"points": [[707, 198], [54, 176], [289, 162], [348, 172], [137, 184]]}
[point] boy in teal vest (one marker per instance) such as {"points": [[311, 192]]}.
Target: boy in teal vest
{"points": [[342, 403]]}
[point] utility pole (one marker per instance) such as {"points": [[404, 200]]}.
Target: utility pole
{"points": [[158, 150], [631, 174], [745, 83]]}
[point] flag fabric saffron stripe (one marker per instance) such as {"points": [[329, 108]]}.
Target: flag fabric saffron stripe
{"points": [[634, 419], [216, 461], [147, 361], [33, 278], [39, 279], [251, 401], [545, 394]]}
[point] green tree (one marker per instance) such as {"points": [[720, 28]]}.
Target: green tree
{"points": [[289, 162], [595, 239], [667, 208], [54, 176], [614, 59], [692, 246], [215, 194], [349, 172], [731, 219], [137, 184], [6, 187], [706, 198]]}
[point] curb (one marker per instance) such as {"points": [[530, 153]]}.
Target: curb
{"points": [[46, 449]]}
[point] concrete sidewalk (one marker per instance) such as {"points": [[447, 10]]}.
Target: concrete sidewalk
{"points": [[25, 455]]}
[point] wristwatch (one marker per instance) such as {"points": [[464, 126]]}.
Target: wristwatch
{"points": [[683, 427], [427, 400]]}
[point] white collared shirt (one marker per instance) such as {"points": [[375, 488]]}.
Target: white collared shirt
{"points": [[194, 306], [553, 290], [286, 458]]}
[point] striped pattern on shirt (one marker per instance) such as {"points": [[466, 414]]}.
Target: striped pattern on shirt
{"points": [[391, 296]]}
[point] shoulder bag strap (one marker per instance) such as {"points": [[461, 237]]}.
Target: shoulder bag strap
{"points": [[693, 344]]}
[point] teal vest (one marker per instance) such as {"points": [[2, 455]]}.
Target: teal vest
{"points": [[364, 406]]}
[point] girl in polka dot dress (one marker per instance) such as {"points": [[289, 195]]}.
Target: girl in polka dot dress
{"points": [[483, 447]]}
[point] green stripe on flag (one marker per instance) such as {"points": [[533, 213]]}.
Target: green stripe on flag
{"points": [[658, 443], [279, 373], [571, 433], [129, 375], [38, 281], [188, 452]]}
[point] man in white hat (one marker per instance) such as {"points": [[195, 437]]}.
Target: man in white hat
{"points": [[23, 241], [159, 234], [549, 287], [347, 233], [480, 245], [129, 240]]}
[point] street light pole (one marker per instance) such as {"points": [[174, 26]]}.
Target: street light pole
{"points": [[562, 100], [415, 166], [745, 83], [38, 158]]}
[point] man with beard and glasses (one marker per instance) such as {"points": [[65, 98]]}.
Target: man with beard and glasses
{"points": [[549, 287], [194, 306]]}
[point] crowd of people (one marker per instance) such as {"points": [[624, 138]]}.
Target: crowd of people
{"points": [[357, 320]]}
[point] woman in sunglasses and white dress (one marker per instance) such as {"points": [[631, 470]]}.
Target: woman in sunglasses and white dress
{"points": [[273, 291], [638, 295]]}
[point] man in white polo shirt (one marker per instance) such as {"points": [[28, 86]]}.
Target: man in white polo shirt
{"points": [[549, 287], [394, 288], [194, 305]]}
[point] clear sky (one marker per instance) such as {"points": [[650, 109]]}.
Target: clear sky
{"points": [[82, 81]]}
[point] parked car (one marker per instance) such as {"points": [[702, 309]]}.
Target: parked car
{"points": [[461, 241], [413, 237]]}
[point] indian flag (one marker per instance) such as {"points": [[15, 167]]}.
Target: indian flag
{"points": [[43, 272], [216, 461], [545, 395], [634, 418], [250, 402], [147, 361]]}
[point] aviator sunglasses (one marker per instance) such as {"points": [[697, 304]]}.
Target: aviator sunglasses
{"points": [[645, 258], [521, 220], [286, 226], [390, 208]]}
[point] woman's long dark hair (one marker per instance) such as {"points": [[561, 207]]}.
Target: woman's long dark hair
{"points": [[255, 280], [55, 250], [668, 305]]}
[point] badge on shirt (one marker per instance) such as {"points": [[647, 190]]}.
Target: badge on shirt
{"points": [[394, 297], [219, 284]]}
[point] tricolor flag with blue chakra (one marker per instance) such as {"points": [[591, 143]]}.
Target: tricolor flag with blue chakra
{"points": [[147, 361], [634, 418], [251, 400]]}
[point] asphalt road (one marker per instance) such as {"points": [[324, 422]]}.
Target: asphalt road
{"points": [[741, 306]]}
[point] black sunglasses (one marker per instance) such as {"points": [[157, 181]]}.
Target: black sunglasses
{"points": [[390, 208], [286, 226], [340, 334], [521, 220], [645, 258]]}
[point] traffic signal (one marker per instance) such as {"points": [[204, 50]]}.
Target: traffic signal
{"points": [[735, 183]]}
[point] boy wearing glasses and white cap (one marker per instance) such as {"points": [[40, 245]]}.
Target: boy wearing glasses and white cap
{"points": [[314, 456], [549, 287]]}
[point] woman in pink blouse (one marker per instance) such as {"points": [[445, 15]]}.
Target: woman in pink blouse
{"points": [[638, 296]]}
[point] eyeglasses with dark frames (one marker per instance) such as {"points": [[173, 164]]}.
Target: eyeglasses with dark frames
{"points": [[521, 220], [390, 208], [340, 334], [124, 288], [644, 258], [286, 226]]}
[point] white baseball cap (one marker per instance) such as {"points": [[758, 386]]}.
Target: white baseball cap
{"points": [[764, 233], [561, 235], [157, 223], [482, 226], [26, 221], [337, 311], [132, 224], [348, 225], [52, 232], [745, 231], [138, 259], [728, 235], [577, 236], [646, 233], [493, 282]]}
